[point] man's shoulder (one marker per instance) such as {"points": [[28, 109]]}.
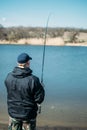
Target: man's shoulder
{"points": [[8, 77], [9, 74], [35, 78]]}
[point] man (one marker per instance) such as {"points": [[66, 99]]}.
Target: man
{"points": [[24, 93]]}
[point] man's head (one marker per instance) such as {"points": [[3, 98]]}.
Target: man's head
{"points": [[24, 60]]}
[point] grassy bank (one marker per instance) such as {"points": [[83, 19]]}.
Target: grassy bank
{"points": [[5, 127]]}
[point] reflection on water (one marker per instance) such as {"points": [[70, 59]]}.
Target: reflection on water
{"points": [[65, 78]]}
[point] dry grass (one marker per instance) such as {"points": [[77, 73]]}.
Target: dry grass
{"points": [[5, 127]]}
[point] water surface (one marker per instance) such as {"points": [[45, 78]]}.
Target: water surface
{"points": [[65, 79]]}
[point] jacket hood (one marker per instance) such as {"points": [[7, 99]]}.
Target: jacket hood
{"points": [[21, 72]]}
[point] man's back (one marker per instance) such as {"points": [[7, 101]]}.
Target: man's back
{"points": [[24, 93]]}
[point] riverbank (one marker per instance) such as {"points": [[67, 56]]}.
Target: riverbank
{"points": [[5, 127], [58, 41]]}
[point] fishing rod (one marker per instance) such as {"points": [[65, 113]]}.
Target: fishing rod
{"points": [[43, 59], [45, 37]]}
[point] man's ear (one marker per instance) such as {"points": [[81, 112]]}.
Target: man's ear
{"points": [[28, 64]]}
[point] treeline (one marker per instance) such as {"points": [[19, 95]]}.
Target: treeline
{"points": [[16, 33]]}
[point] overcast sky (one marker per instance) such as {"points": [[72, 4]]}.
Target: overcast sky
{"points": [[64, 13]]}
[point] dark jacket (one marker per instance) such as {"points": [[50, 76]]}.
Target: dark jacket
{"points": [[24, 92]]}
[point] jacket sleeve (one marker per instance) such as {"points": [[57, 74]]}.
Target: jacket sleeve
{"points": [[39, 92]]}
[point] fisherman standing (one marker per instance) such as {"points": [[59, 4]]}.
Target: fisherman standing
{"points": [[24, 93]]}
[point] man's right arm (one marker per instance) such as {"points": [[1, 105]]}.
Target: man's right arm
{"points": [[39, 92]]}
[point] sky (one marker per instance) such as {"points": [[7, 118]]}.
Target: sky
{"points": [[63, 13]]}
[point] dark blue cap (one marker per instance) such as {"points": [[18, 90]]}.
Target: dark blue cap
{"points": [[23, 58]]}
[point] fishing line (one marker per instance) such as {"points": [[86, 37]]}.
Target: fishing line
{"points": [[43, 59]]}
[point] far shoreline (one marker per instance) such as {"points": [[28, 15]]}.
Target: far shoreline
{"points": [[58, 41]]}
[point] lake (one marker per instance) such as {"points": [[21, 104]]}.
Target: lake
{"points": [[65, 79]]}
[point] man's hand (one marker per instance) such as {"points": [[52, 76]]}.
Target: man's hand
{"points": [[39, 108], [43, 85]]}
